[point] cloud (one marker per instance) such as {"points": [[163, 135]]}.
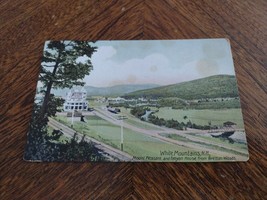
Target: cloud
{"points": [[166, 63], [108, 73], [153, 68], [82, 59], [139, 70], [104, 53], [158, 60], [207, 67]]}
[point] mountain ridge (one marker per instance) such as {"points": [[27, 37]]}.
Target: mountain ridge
{"points": [[209, 87], [115, 91]]}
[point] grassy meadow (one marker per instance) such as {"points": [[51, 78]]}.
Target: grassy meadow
{"points": [[240, 147], [136, 144], [202, 117]]}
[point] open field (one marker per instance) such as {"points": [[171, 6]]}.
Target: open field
{"points": [[136, 144], [240, 147], [141, 145], [140, 124], [202, 117], [236, 145], [197, 116], [137, 122]]}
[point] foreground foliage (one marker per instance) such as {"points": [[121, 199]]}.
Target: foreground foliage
{"points": [[44, 147], [61, 68]]}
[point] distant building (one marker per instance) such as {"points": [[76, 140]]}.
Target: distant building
{"points": [[116, 100], [141, 99], [76, 100]]}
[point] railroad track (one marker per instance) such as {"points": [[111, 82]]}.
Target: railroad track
{"points": [[109, 151]]}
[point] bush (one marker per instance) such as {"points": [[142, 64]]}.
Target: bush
{"points": [[168, 123], [139, 111]]}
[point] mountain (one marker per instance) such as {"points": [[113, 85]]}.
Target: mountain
{"points": [[117, 90], [114, 91], [217, 86]]}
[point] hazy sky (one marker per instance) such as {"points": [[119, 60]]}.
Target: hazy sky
{"points": [[159, 62]]}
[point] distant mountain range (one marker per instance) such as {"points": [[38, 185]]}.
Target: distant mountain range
{"points": [[112, 91], [117, 90], [217, 86]]}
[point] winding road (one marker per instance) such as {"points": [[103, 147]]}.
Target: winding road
{"points": [[194, 143], [156, 134]]}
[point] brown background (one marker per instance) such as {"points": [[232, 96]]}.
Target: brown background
{"points": [[25, 25]]}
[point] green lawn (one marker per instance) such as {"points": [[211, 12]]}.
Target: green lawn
{"points": [[137, 122], [143, 125], [202, 117], [238, 146], [136, 144]]}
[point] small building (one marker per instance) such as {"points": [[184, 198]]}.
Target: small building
{"points": [[76, 100], [116, 100], [229, 124]]}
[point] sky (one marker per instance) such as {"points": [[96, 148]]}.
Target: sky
{"points": [[160, 62]]}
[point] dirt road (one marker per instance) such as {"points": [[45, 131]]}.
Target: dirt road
{"points": [[155, 133]]}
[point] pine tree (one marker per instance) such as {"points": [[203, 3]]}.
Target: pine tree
{"points": [[61, 68]]}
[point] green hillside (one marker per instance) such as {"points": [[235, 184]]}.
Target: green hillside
{"points": [[117, 90], [112, 91], [217, 86]]}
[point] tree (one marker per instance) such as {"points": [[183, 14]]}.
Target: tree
{"points": [[61, 67]]}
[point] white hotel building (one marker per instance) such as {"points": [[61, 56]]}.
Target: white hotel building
{"points": [[76, 100]]}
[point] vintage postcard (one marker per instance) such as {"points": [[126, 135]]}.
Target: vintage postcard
{"points": [[137, 101]]}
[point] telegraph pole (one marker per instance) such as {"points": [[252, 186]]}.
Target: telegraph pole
{"points": [[122, 135], [72, 116], [121, 118]]}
